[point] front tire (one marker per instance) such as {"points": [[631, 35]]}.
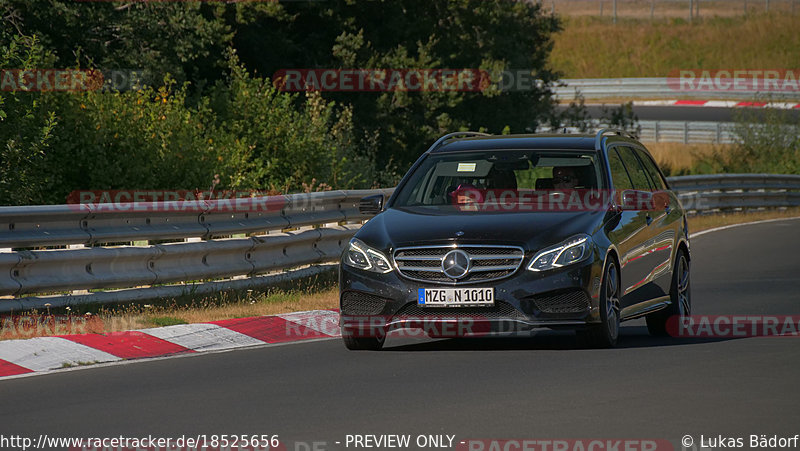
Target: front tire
{"points": [[605, 334], [680, 295], [362, 343]]}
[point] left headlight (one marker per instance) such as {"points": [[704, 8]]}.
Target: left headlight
{"points": [[573, 250], [361, 256]]}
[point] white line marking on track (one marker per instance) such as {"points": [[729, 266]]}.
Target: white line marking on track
{"points": [[716, 229]]}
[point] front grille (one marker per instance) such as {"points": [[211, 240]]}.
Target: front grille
{"points": [[486, 263], [566, 302], [500, 310], [359, 304]]}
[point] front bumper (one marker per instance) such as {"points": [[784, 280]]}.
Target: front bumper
{"points": [[372, 303]]}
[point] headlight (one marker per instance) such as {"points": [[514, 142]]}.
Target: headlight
{"points": [[571, 251], [361, 256]]}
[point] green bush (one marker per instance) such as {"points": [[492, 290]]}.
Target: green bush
{"points": [[146, 139], [26, 125], [244, 134], [206, 121], [766, 141], [266, 142]]}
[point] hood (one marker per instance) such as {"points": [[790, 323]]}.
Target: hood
{"points": [[411, 226]]}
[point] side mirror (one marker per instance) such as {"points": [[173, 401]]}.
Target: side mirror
{"points": [[636, 200], [371, 205]]}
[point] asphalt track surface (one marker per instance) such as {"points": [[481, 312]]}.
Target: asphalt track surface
{"points": [[543, 386], [688, 113]]}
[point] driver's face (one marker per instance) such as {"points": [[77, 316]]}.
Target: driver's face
{"points": [[564, 178]]}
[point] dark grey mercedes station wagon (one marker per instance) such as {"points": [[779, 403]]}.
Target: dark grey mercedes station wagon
{"points": [[491, 234]]}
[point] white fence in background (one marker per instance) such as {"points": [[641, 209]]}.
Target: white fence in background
{"points": [[674, 88]]}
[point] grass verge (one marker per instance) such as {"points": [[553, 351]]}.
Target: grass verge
{"points": [[593, 47], [698, 223], [311, 293], [666, 9], [683, 159]]}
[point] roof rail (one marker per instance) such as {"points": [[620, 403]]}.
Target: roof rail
{"points": [[439, 142], [598, 138]]}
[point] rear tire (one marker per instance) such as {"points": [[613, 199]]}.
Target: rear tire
{"points": [[680, 294], [605, 334]]}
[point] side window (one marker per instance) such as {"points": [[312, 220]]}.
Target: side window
{"points": [[651, 169], [619, 175], [635, 169]]}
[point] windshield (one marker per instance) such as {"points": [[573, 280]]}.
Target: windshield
{"points": [[456, 179]]}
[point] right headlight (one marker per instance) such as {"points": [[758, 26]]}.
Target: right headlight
{"points": [[573, 250], [361, 256]]}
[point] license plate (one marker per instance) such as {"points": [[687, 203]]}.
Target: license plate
{"points": [[455, 297]]}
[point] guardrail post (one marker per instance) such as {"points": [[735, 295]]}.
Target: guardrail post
{"points": [[78, 246], [615, 11], [656, 132], [686, 132], [719, 133]]}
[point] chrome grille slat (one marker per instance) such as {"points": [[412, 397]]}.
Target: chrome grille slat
{"points": [[437, 259], [494, 257], [423, 269], [487, 262], [492, 268]]}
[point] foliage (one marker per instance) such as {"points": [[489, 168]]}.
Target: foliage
{"points": [[491, 35], [766, 141], [26, 124], [209, 113], [272, 144]]}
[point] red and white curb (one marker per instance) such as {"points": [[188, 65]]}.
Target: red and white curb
{"points": [[44, 354], [719, 104]]}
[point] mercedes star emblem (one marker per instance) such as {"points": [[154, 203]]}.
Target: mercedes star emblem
{"points": [[455, 264]]}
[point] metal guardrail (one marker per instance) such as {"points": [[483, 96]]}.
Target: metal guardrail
{"points": [[673, 131], [658, 88], [688, 132], [122, 245], [120, 248], [699, 132], [710, 193]]}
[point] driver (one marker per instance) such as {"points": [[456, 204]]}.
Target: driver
{"points": [[564, 178]]}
